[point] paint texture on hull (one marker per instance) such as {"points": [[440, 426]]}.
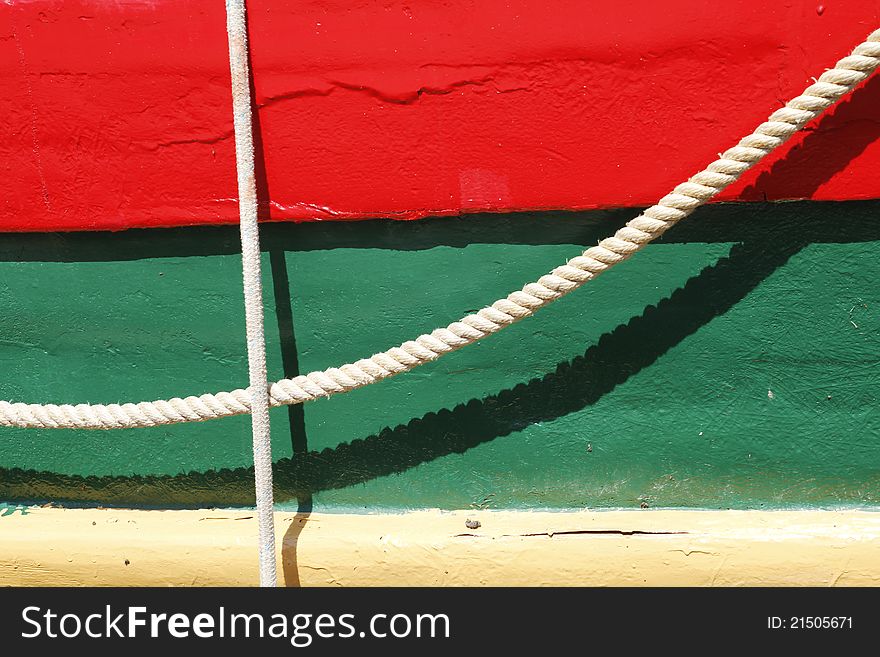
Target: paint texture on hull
{"points": [[117, 115], [103, 547], [732, 364]]}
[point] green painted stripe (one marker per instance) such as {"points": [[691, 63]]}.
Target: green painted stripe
{"points": [[652, 384]]}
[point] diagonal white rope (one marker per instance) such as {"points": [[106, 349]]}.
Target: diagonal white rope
{"points": [[236, 28], [653, 222]]}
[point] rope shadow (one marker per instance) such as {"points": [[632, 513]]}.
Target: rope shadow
{"points": [[280, 281], [720, 222], [822, 154], [765, 245], [290, 544], [806, 167], [574, 385]]}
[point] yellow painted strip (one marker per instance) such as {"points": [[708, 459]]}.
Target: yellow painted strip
{"points": [[616, 548]]}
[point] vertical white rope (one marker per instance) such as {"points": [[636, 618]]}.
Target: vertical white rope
{"points": [[236, 28]]}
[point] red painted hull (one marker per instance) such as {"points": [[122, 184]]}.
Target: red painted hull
{"points": [[117, 115]]}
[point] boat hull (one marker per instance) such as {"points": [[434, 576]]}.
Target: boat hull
{"points": [[118, 115]]}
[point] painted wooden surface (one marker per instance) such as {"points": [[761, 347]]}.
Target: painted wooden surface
{"points": [[732, 364], [210, 547], [117, 114]]}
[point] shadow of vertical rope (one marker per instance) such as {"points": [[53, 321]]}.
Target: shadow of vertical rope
{"points": [[575, 384]]}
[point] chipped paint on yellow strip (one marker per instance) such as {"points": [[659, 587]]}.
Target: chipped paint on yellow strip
{"points": [[45, 546]]}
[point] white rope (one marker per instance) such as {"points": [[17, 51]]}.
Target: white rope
{"points": [[236, 27], [653, 222]]}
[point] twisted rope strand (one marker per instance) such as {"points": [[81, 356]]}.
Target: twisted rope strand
{"points": [[236, 31], [653, 222]]}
